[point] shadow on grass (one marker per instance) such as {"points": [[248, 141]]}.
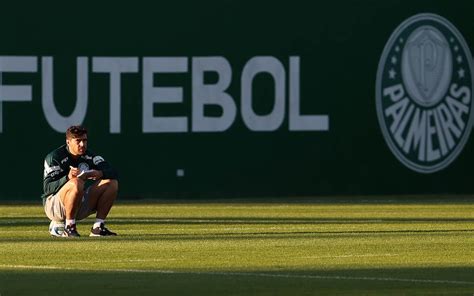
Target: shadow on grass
{"points": [[403, 281], [405, 226], [250, 235], [117, 220]]}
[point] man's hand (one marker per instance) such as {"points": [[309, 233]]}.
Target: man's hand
{"points": [[73, 172], [91, 174]]}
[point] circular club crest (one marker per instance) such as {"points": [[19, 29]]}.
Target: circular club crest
{"points": [[83, 167], [424, 93]]}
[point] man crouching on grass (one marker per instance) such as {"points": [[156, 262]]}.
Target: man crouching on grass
{"points": [[67, 197]]}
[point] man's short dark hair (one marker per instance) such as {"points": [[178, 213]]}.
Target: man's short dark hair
{"points": [[75, 131]]}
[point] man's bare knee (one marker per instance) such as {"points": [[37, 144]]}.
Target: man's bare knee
{"points": [[73, 191], [110, 183], [75, 186], [71, 194]]}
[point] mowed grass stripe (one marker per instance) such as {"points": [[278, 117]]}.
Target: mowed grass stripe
{"points": [[364, 245], [250, 274]]}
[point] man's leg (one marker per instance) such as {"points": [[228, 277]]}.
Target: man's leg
{"points": [[101, 197], [71, 195]]}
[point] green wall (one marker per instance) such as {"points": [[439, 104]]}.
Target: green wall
{"points": [[338, 46]]}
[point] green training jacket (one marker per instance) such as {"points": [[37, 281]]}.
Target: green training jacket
{"points": [[57, 165]]}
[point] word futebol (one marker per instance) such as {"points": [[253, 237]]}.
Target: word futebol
{"points": [[203, 94]]}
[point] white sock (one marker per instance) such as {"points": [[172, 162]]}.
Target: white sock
{"points": [[70, 222], [98, 222]]}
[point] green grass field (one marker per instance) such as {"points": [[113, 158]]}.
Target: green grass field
{"points": [[305, 247]]}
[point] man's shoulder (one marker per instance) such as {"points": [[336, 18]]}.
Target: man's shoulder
{"points": [[95, 158], [57, 154]]}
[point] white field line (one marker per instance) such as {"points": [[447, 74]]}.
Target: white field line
{"points": [[121, 260], [351, 256], [249, 274]]}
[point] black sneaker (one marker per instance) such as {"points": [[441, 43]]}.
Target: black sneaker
{"points": [[70, 231], [101, 231]]}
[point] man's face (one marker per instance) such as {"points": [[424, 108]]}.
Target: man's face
{"points": [[77, 146]]}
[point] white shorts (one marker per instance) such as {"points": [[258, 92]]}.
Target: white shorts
{"points": [[54, 208]]}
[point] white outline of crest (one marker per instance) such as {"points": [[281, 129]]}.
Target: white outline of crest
{"points": [[378, 97]]}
